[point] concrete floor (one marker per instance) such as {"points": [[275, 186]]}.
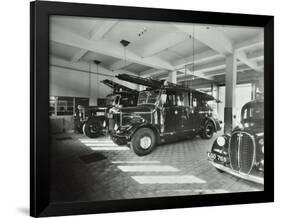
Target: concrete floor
{"points": [[174, 169]]}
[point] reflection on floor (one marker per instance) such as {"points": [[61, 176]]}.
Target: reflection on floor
{"points": [[86, 169]]}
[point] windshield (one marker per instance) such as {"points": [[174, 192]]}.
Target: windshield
{"points": [[148, 97], [112, 100], [254, 112]]}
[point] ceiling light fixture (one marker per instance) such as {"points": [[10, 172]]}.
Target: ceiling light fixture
{"points": [[143, 31], [125, 43]]}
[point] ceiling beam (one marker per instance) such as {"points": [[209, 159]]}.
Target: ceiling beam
{"points": [[210, 36], [216, 40], [152, 73], [197, 74], [83, 66], [181, 74], [197, 58], [241, 55], [180, 64], [256, 55], [164, 42], [119, 65], [256, 41], [96, 34], [108, 48]]}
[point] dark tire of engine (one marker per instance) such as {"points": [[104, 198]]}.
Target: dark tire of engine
{"points": [[92, 128], [208, 131], [143, 141]]}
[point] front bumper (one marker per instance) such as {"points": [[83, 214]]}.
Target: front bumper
{"points": [[245, 176]]}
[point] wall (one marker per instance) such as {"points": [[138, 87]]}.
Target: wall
{"points": [[243, 95], [81, 79]]}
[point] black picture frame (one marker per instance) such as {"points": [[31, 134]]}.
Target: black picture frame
{"points": [[40, 11]]}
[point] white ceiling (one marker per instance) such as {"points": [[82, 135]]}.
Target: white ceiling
{"points": [[155, 47]]}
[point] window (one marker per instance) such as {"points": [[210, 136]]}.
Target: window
{"points": [[61, 106], [186, 99], [52, 106], [65, 106], [176, 100], [148, 97], [194, 102], [180, 100], [170, 101]]}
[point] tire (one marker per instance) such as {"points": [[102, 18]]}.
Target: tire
{"points": [[143, 141], [208, 131], [92, 128]]}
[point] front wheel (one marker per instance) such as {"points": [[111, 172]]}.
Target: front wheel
{"points": [[143, 141], [208, 131], [92, 128]]}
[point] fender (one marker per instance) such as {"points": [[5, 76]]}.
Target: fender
{"points": [[137, 126], [101, 119], [214, 121]]}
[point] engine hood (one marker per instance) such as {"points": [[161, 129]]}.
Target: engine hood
{"points": [[137, 109]]}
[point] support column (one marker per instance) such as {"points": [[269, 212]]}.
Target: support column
{"points": [[253, 93], [92, 84], [230, 89], [172, 77]]}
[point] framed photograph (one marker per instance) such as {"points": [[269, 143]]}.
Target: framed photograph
{"points": [[142, 109]]}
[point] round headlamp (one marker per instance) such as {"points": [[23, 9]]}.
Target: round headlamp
{"points": [[221, 141], [261, 141]]}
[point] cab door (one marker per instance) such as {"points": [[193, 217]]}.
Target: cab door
{"points": [[194, 115], [187, 115], [172, 115]]}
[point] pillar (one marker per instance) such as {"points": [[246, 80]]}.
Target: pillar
{"points": [[230, 89], [172, 77], [92, 85], [253, 94]]}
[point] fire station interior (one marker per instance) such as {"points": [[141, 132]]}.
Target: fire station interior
{"points": [[225, 62]]}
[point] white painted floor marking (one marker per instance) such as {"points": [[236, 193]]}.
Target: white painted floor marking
{"points": [[136, 162], [185, 179], [93, 141], [109, 148], [148, 168], [101, 145], [198, 191]]}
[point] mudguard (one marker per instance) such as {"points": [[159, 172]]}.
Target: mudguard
{"points": [[137, 126], [215, 122], [101, 119]]}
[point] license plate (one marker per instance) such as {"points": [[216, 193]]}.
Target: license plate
{"points": [[217, 157]]}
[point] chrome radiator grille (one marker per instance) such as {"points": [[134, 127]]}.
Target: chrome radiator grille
{"points": [[242, 152]]}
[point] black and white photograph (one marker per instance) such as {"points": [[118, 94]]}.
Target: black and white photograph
{"points": [[146, 109]]}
